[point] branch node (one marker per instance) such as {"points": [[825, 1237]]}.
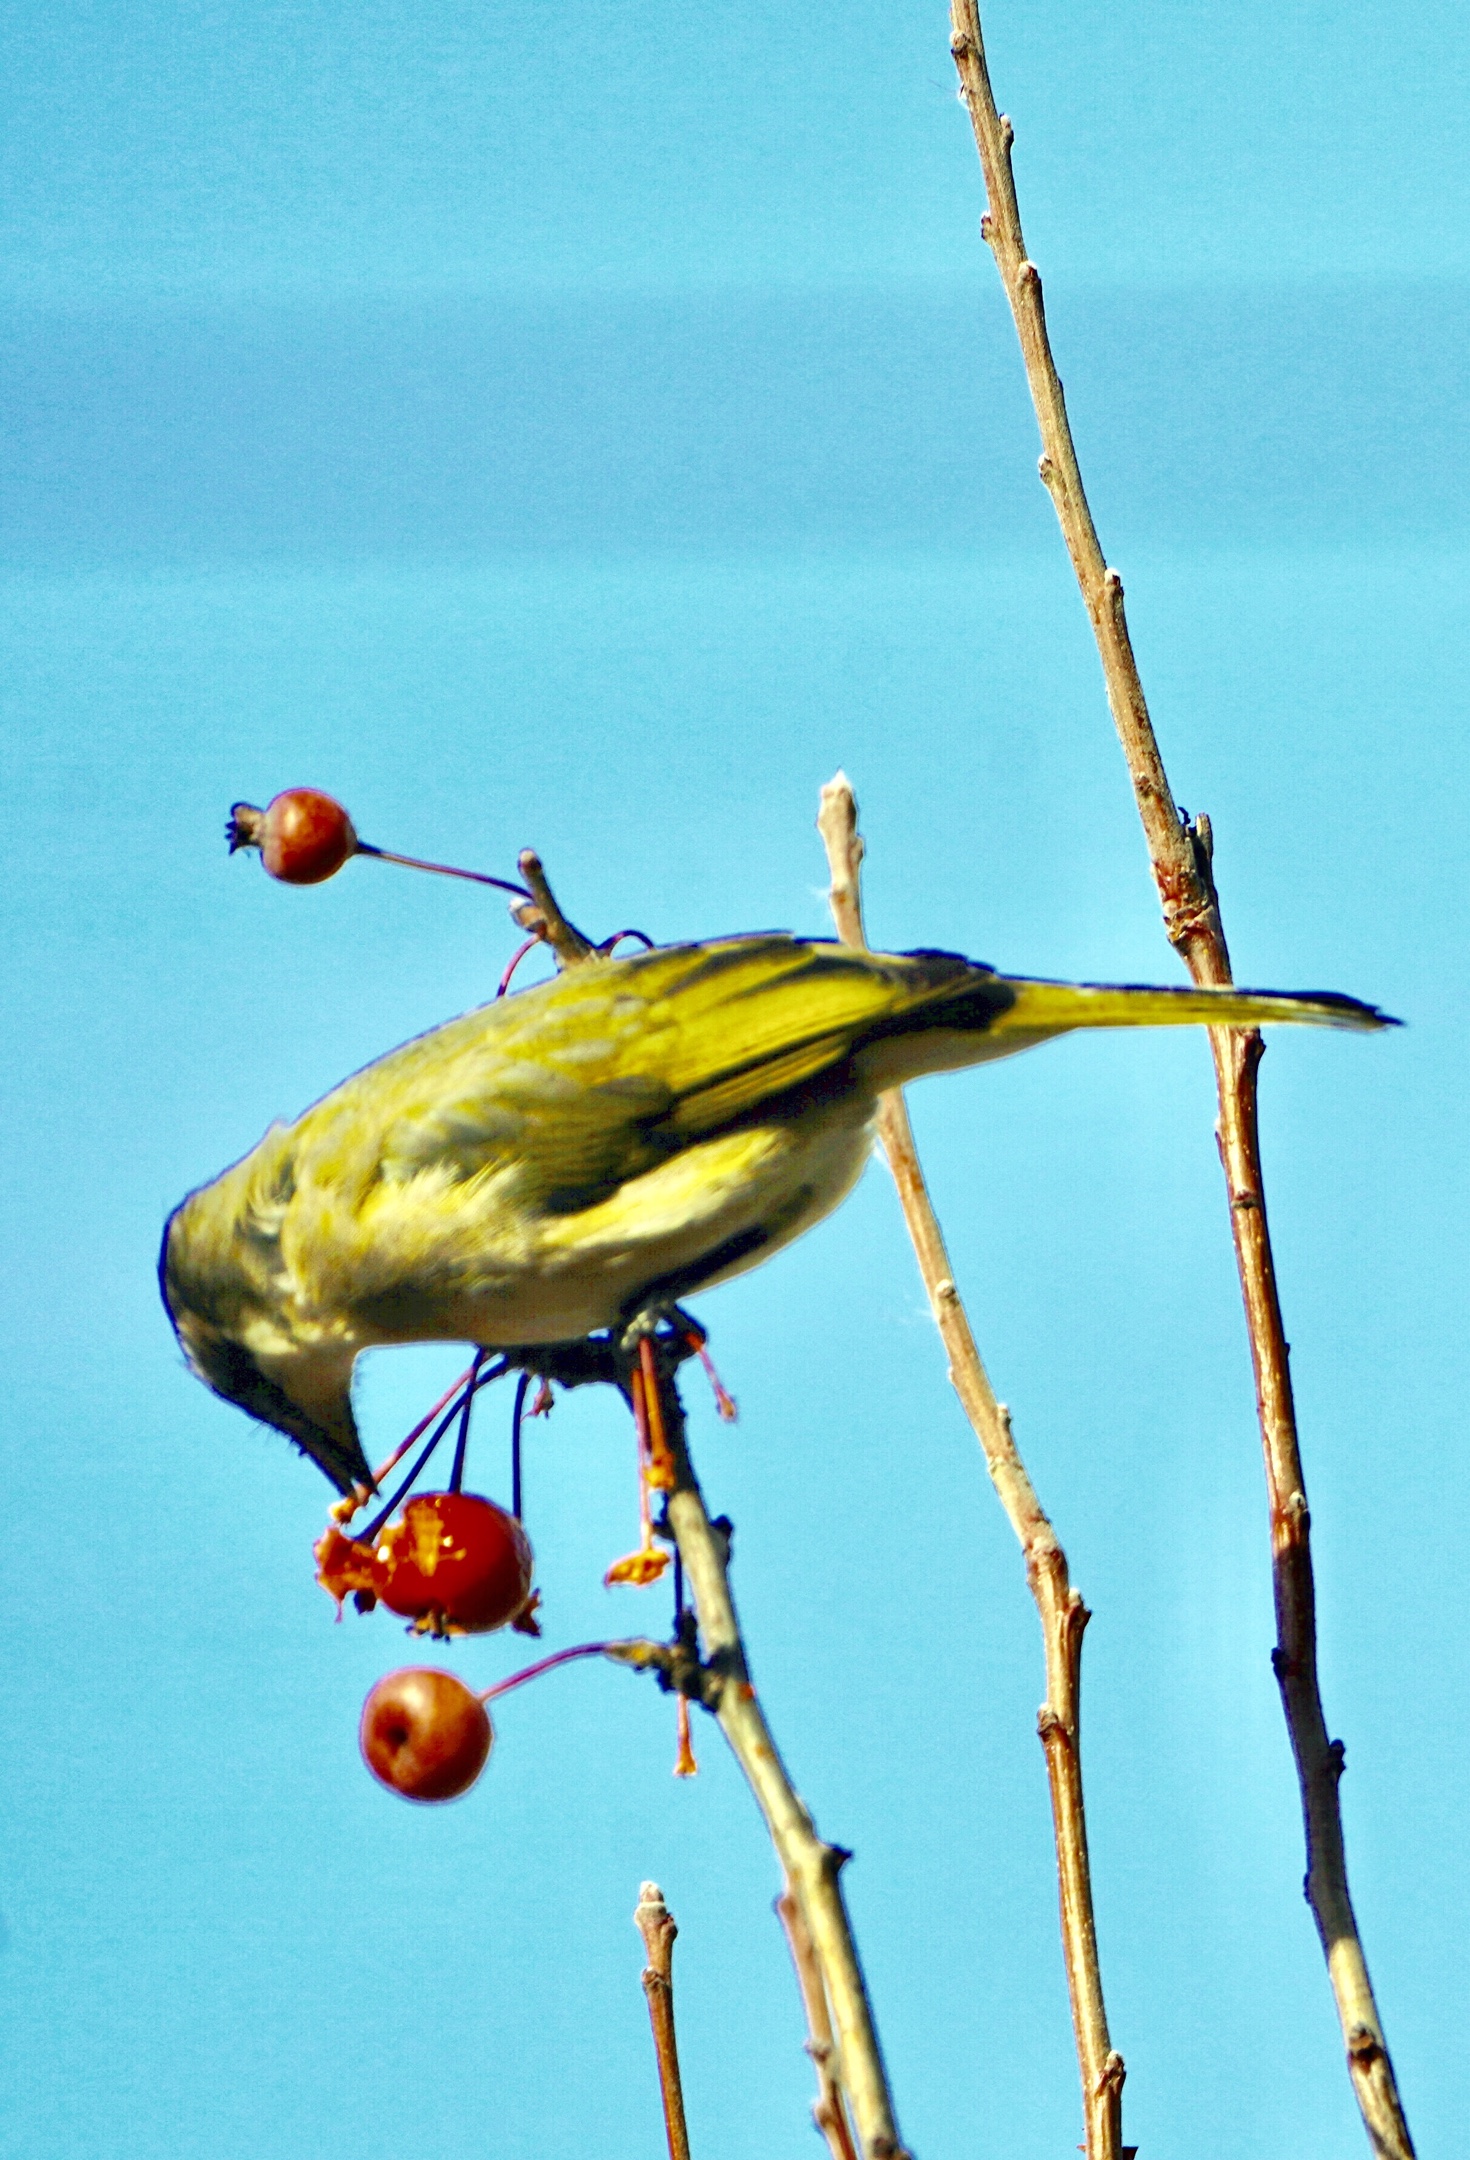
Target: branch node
{"points": [[1336, 1757], [1296, 1518], [1202, 831], [1111, 2076], [1363, 2046]]}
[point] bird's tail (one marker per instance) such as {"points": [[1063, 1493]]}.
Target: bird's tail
{"points": [[1046, 1008], [993, 1016]]}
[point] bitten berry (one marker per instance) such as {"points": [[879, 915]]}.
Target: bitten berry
{"points": [[455, 1563]]}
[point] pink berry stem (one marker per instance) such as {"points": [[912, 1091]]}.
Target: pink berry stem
{"points": [[422, 1426], [514, 962], [559, 1657], [414, 862]]}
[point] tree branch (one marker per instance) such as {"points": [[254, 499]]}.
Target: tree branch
{"points": [[828, 2112], [811, 1866], [1179, 854], [656, 1924], [1062, 1612], [542, 918]]}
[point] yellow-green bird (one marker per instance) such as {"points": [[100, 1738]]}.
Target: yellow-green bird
{"points": [[565, 1159]]}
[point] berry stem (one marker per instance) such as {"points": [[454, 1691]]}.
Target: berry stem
{"points": [[530, 1672], [456, 1475], [471, 1382], [514, 962], [522, 1389], [423, 1424], [415, 862]]}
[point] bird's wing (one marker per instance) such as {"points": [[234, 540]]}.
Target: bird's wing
{"points": [[754, 1019], [591, 1079]]}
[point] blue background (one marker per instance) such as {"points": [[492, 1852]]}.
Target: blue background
{"points": [[589, 430]]}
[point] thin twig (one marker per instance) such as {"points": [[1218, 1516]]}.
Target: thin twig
{"points": [[1179, 853], [1062, 1612], [656, 1924], [828, 2112], [812, 1867], [543, 919]]}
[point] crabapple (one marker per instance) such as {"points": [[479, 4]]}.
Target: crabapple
{"points": [[303, 835], [424, 1734], [456, 1561]]}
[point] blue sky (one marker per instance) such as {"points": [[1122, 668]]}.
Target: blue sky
{"points": [[589, 432]]}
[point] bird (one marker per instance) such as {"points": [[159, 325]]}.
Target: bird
{"points": [[593, 1149]]}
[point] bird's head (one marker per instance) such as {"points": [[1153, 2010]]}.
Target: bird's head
{"points": [[230, 1302]]}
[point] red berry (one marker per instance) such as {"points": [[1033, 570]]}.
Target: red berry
{"points": [[456, 1562], [424, 1735], [303, 836]]}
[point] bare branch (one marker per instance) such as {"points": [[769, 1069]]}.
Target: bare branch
{"points": [[812, 1867], [542, 918], [828, 2112], [656, 1924], [1063, 1614], [1179, 854]]}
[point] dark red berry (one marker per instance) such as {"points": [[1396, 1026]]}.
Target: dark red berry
{"points": [[303, 835], [424, 1734], [454, 1562]]}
